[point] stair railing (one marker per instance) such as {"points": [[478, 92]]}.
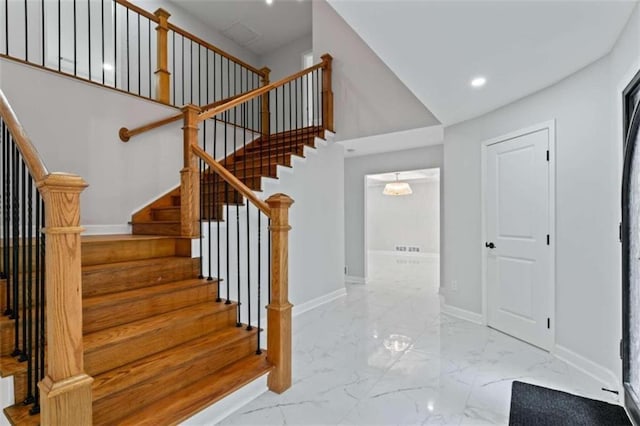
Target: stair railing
{"points": [[42, 261], [117, 44], [223, 166]]}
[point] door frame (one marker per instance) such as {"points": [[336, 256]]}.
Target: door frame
{"points": [[551, 127]]}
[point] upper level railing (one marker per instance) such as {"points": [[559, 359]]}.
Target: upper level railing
{"points": [[40, 214], [117, 44]]}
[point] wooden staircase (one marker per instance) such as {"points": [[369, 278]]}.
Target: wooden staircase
{"points": [[158, 345], [250, 164]]}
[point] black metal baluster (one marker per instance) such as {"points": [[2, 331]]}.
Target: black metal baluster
{"points": [[258, 350], [26, 32], [36, 408], [128, 55], [115, 44], [24, 355], [6, 202], [6, 27], [149, 55], [101, 38], [235, 148], [182, 75], [75, 41], [29, 272], [89, 30], [173, 69], [59, 37], [269, 261], [42, 37], [15, 250], [215, 209], [226, 201], [38, 302], [139, 57]]}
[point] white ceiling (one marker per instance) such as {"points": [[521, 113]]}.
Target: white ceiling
{"points": [[437, 47], [254, 24]]}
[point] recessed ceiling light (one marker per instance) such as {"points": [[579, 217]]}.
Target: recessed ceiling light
{"points": [[269, 1], [478, 82]]}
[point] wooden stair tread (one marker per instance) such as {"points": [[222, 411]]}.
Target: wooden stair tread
{"points": [[10, 366], [155, 365], [155, 222], [144, 292], [115, 335], [201, 394], [18, 415], [128, 263]]}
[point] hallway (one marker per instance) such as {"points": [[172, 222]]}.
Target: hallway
{"points": [[385, 354]]}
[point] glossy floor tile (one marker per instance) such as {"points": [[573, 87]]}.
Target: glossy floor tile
{"points": [[385, 354]]}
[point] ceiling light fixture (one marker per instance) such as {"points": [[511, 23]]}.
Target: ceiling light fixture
{"points": [[478, 82], [269, 2], [397, 188]]}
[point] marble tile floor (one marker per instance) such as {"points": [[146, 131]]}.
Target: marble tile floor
{"points": [[385, 354]]}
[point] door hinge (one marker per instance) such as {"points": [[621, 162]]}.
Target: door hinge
{"points": [[547, 155], [621, 349], [549, 323], [548, 240]]}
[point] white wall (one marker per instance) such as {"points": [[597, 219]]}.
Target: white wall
{"points": [[355, 170], [75, 128], [411, 220], [316, 243], [588, 151], [369, 99], [287, 59]]}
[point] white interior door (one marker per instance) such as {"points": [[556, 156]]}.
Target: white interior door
{"points": [[518, 256]]}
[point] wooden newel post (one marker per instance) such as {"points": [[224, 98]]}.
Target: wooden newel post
{"points": [[189, 178], [266, 119], [327, 92], [65, 392], [163, 76], [279, 309]]}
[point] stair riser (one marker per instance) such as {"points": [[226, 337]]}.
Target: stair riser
{"points": [[116, 406], [114, 355], [261, 163], [169, 229], [3, 292], [275, 156], [244, 170], [121, 251], [118, 278], [98, 318]]}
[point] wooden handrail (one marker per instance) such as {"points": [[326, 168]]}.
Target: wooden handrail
{"points": [[231, 179], [255, 93], [210, 46], [31, 157], [126, 134]]}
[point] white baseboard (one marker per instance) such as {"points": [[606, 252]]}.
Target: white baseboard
{"points": [[6, 397], [595, 370], [318, 301], [106, 229], [226, 406], [354, 280], [462, 314]]}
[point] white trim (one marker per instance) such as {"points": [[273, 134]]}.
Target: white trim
{"points": [[453, 311], [551, 127], [605, 376], [354, 280], [228, 405], [318, 301], [106, 229]]}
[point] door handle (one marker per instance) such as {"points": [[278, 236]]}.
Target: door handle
{"points": [[490, 245]]}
